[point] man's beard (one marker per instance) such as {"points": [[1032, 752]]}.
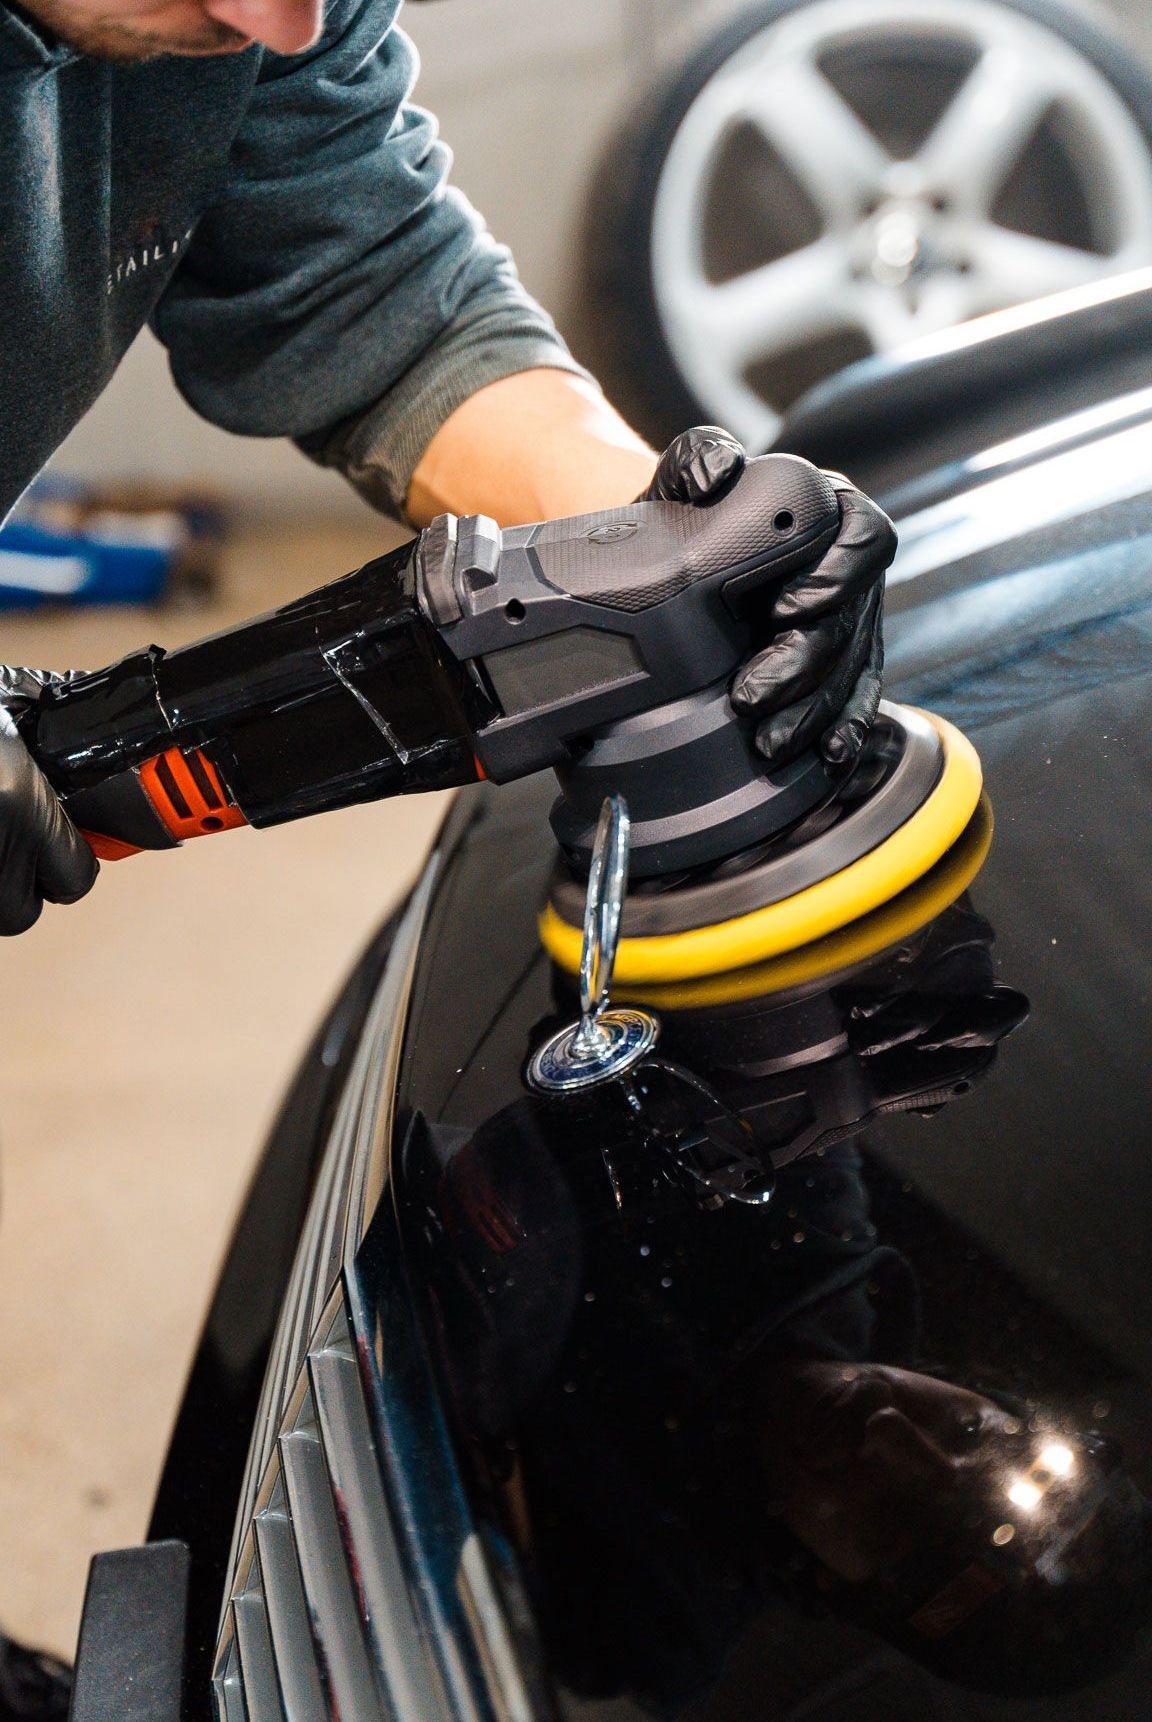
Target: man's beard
{"points": [[111, 39]]}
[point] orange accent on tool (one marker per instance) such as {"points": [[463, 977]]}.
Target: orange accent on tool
{"points": [[187, 794], [481, 774], [108, 848]]}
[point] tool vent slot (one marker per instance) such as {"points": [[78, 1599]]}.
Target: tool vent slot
{"points": [[188, 794]]}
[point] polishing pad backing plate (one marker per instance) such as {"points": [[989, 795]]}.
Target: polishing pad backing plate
{"points": [[784, 873], [833, 902]]}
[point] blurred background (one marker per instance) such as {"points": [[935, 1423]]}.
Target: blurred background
{"points": [[658, 168], [721, 206]]}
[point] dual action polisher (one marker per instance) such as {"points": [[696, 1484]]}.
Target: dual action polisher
{"points": [[601, 647]]}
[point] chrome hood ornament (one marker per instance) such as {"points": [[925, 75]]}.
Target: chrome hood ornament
{"points": [[608, 1040]]}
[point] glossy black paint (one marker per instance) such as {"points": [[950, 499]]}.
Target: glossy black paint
{"points": [[585, 1307], [589, 1313], [889, 420], [619, 1352]]}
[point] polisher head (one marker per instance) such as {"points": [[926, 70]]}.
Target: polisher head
{"points": [[908, 801]]}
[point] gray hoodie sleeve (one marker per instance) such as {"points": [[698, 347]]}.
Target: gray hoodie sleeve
{"points": [[339, 291]]}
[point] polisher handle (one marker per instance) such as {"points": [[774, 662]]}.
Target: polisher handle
{"points": [[574, 624], [780, 512], [470, 652]]}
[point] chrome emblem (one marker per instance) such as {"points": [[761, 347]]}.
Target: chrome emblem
{"points": [[608, 1040]]}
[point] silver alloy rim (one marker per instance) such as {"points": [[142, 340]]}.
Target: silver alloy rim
{"points": [[907, 247]]}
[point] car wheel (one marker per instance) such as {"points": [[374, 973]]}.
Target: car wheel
{"points": [[826, 180]]}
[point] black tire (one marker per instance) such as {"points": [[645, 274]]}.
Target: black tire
{"points": [[619, 328]]}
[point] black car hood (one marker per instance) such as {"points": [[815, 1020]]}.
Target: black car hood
{"points": [[613, 1339]]}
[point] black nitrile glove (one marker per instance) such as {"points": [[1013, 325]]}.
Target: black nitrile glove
{"points": [[818, 682], [42, 855], [698, 467]]}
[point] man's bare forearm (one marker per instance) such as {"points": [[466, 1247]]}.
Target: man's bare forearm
{"points": [[532, 446]]}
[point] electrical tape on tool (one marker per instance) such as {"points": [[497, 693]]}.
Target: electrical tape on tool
{"points": [[875, 878], [600, 646]]}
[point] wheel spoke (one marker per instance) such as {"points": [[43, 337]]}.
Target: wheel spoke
{"points": [[770, 308], [1008, 268], [831, 152], [960, 261], [978, 139], [885, 317]]}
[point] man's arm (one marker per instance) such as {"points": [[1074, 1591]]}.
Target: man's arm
{"points": [[338, 291], [530, 447]]}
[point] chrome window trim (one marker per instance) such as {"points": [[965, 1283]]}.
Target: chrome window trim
{"points": [[380, 1043], [410, 1617]]}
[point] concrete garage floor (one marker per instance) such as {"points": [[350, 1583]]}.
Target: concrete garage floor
{"points": [[148, 1034]]}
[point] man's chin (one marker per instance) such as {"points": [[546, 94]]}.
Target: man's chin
{"points": [[235, 44], [116, 40], [129, 47]]}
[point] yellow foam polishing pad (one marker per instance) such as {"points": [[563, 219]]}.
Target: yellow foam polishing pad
{"points": [[846, 949], [863, 885]]}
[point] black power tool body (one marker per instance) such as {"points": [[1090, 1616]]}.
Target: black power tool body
{"points": [[601, 646]]}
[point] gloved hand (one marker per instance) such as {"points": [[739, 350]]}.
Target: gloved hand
{"points": [[42, 855], [818, 680]]}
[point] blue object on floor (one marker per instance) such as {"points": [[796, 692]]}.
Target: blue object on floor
{"points": [[38, 567], [66, 545]]}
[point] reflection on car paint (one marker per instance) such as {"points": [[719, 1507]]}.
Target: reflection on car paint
{"points": [[1073, 482], [730, 1444]]}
